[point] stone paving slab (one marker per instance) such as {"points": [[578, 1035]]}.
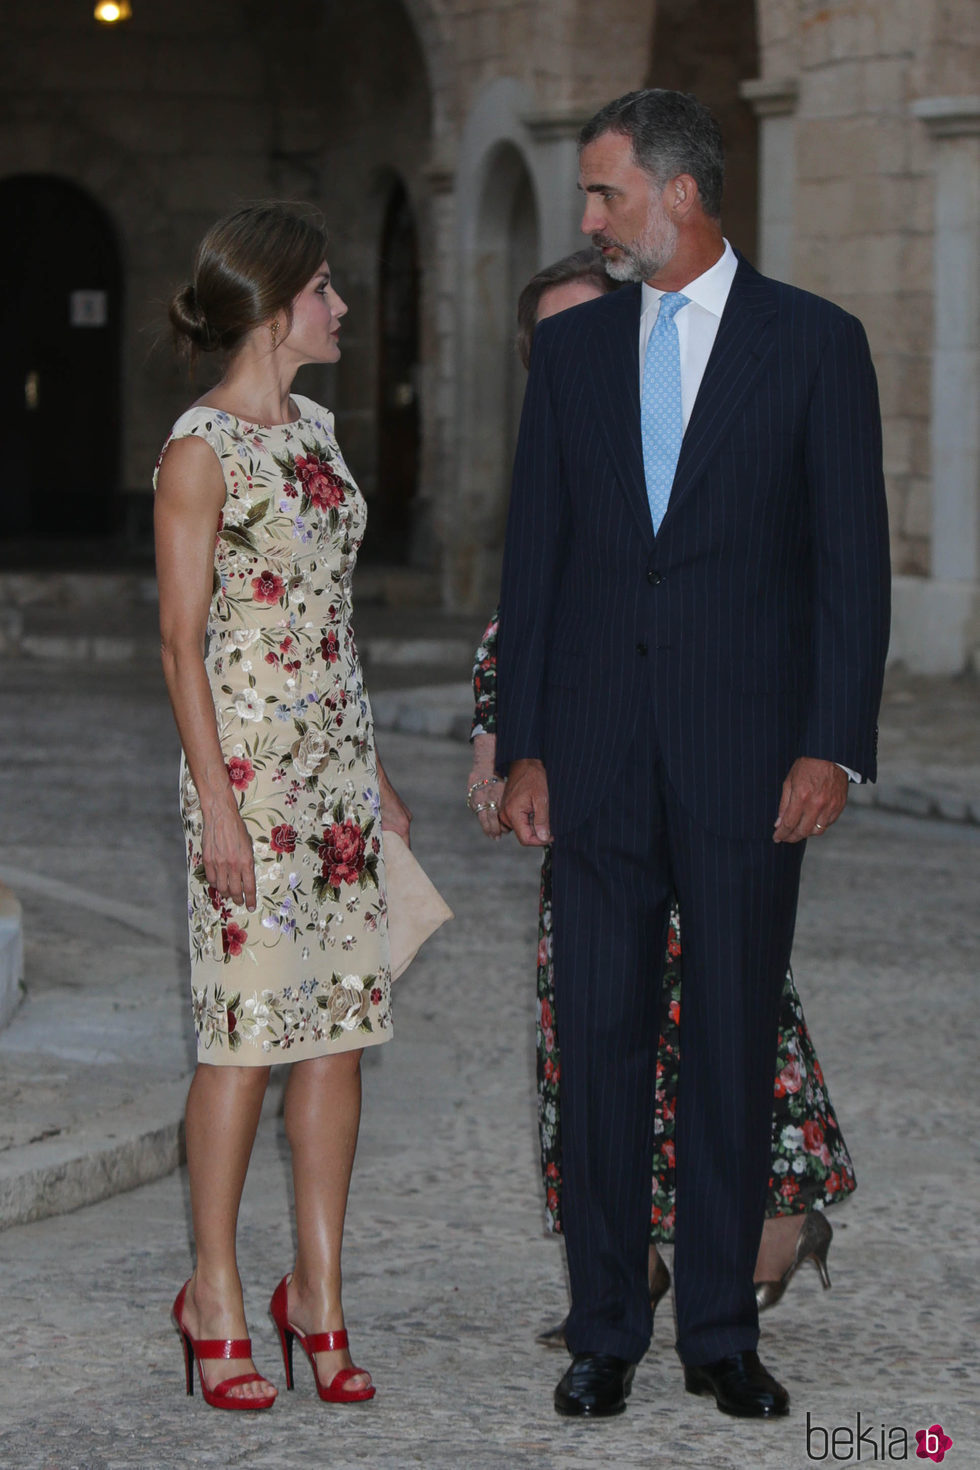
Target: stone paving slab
{"points": [[447, 1274]]}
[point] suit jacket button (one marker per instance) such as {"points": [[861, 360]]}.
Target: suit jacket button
{"points": [[655, 578], [641, 649]]}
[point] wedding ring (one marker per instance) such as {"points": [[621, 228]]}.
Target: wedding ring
{"points": [[817, 827]]}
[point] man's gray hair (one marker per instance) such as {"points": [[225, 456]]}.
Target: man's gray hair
{"points": [[671, 133]]}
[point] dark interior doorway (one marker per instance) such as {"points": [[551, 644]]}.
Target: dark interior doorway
{"points": [[60, 319], [399, 419]]}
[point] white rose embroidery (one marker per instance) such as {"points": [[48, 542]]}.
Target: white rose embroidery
{"points": [[248, 706], [311, 753]]}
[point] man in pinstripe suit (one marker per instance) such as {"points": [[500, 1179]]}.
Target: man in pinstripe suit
{"points": [[692, 643]]}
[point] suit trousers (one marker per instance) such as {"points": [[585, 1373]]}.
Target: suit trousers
{"points": [[613, 876]]}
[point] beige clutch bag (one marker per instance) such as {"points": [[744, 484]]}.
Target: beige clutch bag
{"points": [[416, 908]]}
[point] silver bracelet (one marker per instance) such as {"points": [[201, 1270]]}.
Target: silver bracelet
{"points": [[477, 786]]}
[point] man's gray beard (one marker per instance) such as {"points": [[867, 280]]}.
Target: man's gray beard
{"points": [[645, 259]]}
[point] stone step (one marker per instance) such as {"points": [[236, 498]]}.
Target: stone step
{"points": [[112, 618]]}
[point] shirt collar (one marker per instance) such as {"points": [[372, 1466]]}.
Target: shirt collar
{"points": [[709, 290]]}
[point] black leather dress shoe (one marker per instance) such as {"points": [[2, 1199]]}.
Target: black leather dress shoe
{"points": [[741, 1386], [596, 1386]]}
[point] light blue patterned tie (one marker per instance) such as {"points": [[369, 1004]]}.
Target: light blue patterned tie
{"points": [[661, 414]]}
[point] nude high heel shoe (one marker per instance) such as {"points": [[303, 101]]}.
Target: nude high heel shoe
{"points": [[812, 1244]]}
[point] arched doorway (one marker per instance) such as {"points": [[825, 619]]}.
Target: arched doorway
{"points": [[399, 422], [60, 318], [502, 255]]}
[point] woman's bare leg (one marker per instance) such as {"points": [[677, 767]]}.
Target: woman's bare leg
{"points": [[223, 1108], [323, 1112]]}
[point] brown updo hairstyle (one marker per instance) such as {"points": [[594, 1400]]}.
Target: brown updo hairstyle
{"points": [[250, 266], [584, 265]]}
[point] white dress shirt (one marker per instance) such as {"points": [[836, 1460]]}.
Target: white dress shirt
{"points": [[697, 323], [697, 327]]}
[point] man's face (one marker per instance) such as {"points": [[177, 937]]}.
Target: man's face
{"points": [[624, 211]]}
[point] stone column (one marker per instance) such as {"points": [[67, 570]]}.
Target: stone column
{"points": [[952, 604], [554, 157], [774, 104]]}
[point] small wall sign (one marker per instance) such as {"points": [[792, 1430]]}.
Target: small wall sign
{"points": [[88, 308]]}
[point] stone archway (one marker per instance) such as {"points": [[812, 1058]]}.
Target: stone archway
{"points": [[60, 319], [398, 363], [376, 120], [501, 253]]}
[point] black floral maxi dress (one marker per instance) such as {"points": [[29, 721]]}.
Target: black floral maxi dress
{"points": [[811, 1167]]}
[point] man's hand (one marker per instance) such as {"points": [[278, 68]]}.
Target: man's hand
{"points": [[525, 808], [814, 795]]}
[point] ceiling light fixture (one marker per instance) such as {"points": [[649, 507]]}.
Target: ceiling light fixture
{"points": [[110, 12]]}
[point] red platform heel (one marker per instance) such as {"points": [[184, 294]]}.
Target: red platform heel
{"points": [[334, 1392], [219, 1397]]}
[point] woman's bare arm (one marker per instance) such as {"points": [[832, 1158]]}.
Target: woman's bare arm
{"points": [[190, 494]]}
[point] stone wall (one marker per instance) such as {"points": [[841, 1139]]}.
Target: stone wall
{"points": [[190, 109]]}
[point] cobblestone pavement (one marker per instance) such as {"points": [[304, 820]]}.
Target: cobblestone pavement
{"points": [[447, 1273]]}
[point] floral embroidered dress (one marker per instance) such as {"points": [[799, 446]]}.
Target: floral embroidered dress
{"points": [[810, 1168], [308, 972]]}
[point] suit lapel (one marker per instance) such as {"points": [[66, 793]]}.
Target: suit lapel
{"points": [[741, 347], [615, 373]]}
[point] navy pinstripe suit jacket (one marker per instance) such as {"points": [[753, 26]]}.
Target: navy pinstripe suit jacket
{"points": [[753, 627]]}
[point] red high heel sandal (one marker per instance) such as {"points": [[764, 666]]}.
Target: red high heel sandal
{"points": [[219, 1397], [334, 1392]]}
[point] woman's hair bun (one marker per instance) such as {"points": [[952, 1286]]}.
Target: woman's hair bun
{"points": [[189, 322], [248, 268]]}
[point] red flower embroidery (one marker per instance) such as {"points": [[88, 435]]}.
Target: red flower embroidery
{"points": [[322, 484], [267, 587], [342, 853], [240, 772], [233, 938], [283, 838], [330, 648], [376, 996]]}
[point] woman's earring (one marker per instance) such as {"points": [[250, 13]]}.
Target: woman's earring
{"points": [[274, 330]]}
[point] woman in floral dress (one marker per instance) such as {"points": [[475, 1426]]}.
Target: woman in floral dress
{"points": [[282, 796], [811, 1167]]}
